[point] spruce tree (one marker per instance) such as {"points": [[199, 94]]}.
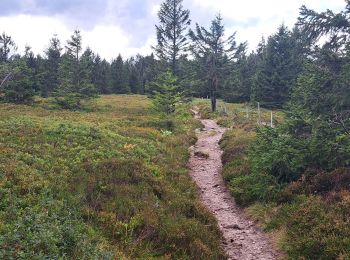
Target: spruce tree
{"points": [[74, 48], [165, 93], [214, 52], [101, 75], [171, 32], [279, 63], [75, 80], [51, 67], [119, 79], [7, 46], [19, 88]]}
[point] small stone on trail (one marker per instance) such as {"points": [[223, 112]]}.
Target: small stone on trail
{"points": [[235, 226]]}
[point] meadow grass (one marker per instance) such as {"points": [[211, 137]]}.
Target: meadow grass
{"points": [[108, 182]]}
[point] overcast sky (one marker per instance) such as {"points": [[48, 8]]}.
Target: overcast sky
{"points": [[110, 27]]}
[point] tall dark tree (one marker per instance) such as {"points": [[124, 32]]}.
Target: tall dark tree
{"points": [[171, 32], [150, 71], [239, 80], [74, 48], [51, 66], [134, 78], [328, 80], [119, 76], [334, 25], [35, 67], [214, 52], [87, 63], [19, 88], [7, 46], [280, 63], [74, 77], [101, 75]]}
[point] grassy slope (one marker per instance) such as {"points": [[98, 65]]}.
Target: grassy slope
{"points": [[304, 225], [111, 183]]}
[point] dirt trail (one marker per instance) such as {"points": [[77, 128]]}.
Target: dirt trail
{"points": [[241, 238]]}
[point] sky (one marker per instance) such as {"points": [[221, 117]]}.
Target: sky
{"points": [[110, 27]]}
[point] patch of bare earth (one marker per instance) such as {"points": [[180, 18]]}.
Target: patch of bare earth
{"points": [[241, 238]]}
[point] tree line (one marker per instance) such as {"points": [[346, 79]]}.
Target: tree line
{"points": [[205, 62], [68, 70]]}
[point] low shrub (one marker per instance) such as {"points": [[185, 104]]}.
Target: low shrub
{"points": [[99, 184], [236, 168], [250, 188], [325, 182], [319, 231]]}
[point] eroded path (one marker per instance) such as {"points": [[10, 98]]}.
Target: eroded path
{"points": [[241, 238]]}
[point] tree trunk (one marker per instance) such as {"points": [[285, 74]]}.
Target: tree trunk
{"points": [[213, 101], [214, 87]]}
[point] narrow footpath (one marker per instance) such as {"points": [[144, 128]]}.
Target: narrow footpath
{"points": [[241, 238]]}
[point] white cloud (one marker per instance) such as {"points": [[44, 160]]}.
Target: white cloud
{"points": [[36, 31], [134, 32], [253, 19], [32, 31]]}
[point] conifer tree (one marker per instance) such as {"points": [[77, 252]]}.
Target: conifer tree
{"points": [[7, 46], [171, 32], [51, 67], [101, 75], [119, 76], [19, 88], [75, 81], [279, 63], [214, 52], [165, 93], [74, 48]]}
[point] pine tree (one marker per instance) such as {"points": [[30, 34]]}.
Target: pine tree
{"points": [[19, 89], [75, 79], [239, 79], [279, 64], [51, 67], [165, 93], [214, 52], [150, 71], [119, 79], [87, 63], [74, 48], [7, 46], [134, 80], [171, 32], [101, 75]]}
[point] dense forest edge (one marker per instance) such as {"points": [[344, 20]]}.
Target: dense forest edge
{"points": [[82, 139]]}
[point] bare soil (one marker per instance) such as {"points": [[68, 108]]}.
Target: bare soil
{"points": [[242, 239]]}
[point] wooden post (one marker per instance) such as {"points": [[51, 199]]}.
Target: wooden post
{"points": [[247, 112], [271, 124], [259, 114]]}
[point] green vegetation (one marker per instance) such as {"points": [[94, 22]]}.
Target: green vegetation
{"points": [[111, 183], [269, 173], [165, 93], [294, 178], [106, 178]]}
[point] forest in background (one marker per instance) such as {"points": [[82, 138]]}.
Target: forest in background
{"points": [[205, 61]]}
